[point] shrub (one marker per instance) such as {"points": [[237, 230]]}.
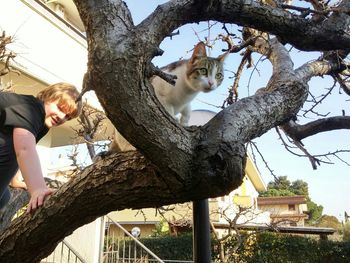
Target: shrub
{"points": [[281, 248], [264, 247], [171, 247]]}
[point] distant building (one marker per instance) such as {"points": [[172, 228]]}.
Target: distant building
{"points": [[285, 210]]}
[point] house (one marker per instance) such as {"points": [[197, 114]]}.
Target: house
{"points": [[285, 210]]}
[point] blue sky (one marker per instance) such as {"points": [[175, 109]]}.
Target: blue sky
{"points": [[328, 185]]}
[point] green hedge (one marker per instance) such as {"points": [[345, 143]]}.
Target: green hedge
{"points": [[170, 247], [282, 248], [165, 247], [262, 248]]}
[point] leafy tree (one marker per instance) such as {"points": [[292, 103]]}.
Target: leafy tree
{"points": [[299, 187], [175, 164], [314, 212], [281, 186], [281, 183]]}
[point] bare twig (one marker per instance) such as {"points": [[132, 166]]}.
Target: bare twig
{"points": [[253, 144], [316, 103], [6, 57], [153, 70], [314, 161], [344, 84]]}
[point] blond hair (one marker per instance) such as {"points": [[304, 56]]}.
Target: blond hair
{"points": [[66, 96]]}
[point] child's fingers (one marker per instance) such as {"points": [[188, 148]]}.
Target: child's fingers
{"points": [[37, 199], [28, 208], [41, 199], [32, 204]]}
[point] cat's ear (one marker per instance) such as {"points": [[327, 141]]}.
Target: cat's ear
{"points": [[222, 57], [198, 52]]}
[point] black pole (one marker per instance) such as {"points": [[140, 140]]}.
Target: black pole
{"points": [[201, 232]]}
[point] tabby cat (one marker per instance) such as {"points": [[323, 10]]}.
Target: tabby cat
{"points": [[199, 73]]}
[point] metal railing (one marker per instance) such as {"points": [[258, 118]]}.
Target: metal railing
{"points": [[126, 250], [64, 253]]}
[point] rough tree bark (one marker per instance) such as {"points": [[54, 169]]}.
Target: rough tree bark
{"points": [[174, 164]]}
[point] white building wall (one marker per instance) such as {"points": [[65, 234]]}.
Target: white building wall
{"points": [[87, 240], [46, 49]]}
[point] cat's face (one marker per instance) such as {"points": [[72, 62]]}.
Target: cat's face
{"points": [[204, 73]]}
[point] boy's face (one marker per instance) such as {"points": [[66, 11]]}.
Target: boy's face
{"points": [[54, 114]]}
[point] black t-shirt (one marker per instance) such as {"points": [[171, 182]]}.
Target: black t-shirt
{"points": [[22, 111]]}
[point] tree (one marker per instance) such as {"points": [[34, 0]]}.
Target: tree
{"points": [[281, 186], [299, 187], [281, 183], [314, 212], [228, 243], [175, 164]]}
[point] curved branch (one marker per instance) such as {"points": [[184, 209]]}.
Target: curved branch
{"points": [[317, 68], [299, 132], [285, 25], [331, 63]]}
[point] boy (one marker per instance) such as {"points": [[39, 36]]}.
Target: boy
{"points": [[24, 120]]}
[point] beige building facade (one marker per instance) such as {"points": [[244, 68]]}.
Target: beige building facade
{"points": [[285, 210]]}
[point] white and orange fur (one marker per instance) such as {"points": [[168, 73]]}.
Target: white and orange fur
{"points": [[198, 74]]}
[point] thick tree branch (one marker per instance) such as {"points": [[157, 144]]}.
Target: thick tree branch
{"points": [[117, 182], [19, 198], [299, 132], [317, 68], [328, 35]]}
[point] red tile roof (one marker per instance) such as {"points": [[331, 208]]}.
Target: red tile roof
{"points": [[282, 200]]}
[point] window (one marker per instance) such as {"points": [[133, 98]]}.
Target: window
{"points": [[291, 207]]}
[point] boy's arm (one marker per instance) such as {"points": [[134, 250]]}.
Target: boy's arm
{"points": [[29, 164]]}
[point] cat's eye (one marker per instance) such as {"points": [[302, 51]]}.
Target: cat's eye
{"points": [[218, 76], [203, 71]]}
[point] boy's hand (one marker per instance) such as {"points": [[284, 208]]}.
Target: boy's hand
{"points": [[37, 198]]}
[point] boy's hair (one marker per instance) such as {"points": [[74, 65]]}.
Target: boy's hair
{"points": [[66, 94]]}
